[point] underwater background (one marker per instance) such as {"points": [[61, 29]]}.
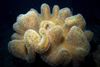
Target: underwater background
{"points": [[10, 9]]}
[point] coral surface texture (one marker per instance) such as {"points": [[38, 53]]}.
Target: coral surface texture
{"points": [[59, 38]]}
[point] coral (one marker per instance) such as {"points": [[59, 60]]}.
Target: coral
{"points": [[59, 38], [96, 56]]}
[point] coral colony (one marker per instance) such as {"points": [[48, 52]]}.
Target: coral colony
{"points": [[59, 38]]}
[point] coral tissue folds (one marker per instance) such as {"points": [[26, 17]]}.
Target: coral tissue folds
{"points": [[59, 38]]}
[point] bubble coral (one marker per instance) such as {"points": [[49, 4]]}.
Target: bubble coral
{"points": [[58, 37]]}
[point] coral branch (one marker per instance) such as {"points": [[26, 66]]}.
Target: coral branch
{"points": [[39, 44], [55, 13], [63, 14], [88, 35], [20, 50], [45, 12], [17, 36], [58, 56]]}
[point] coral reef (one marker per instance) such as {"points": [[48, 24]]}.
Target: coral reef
{"points": [[59, 38]]}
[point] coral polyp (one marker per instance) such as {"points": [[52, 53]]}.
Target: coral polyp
{"points": [[59, 38]]}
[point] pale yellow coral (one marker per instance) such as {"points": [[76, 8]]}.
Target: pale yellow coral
{"points": [[58, 37]]}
